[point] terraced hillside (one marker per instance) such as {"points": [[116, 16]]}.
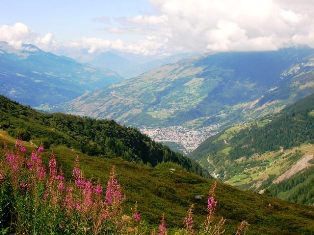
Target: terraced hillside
{"points": [[273, 154]]}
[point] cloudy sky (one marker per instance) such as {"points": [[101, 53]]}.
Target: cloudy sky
{"points": [[152, 27]]}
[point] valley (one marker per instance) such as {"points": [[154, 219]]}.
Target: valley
{"points": [[207, 92]]}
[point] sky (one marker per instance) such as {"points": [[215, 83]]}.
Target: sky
{"points": [[151, 27]]}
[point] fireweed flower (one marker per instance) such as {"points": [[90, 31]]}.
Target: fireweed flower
{"points": [[211, 203], [52, 166], [68, 200], [20, 147], [40, 149], [162, 226], [24, 186], [137, 216], [41, 173], [87, 196], [76, 173], [60, 178], [13, 161], [98, 189], [80, 183], [34, 157], [188, 220], [113, 192]]}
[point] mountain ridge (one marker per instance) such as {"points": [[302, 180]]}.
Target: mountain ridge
{"points": [[212, 91], [55, 79]]}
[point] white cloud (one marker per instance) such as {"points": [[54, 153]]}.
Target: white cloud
{"points": [[148, 19], [15, 34], [20, 33], [191, 25], [223, 25], [146, 47]]}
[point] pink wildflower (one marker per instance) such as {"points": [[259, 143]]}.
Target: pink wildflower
{"points": [[52, 166], [13, 161], [211, 203], [87, 196], [20, 147], [29, 165], [41, 173], [68, 200], [77, 174], [60, 178], [137, 216], [98, 189], [77, 206], [113, 192], [40, 149], [188, 220], [24, 186], [162, 226], [80, 183]]}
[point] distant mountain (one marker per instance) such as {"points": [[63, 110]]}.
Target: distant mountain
{"points": [[104, 138], [211, 92], [35, 77], [126, 64], [275, 153]]}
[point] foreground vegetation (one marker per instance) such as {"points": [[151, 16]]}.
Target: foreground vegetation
{"points": [[35, 199], [169, 190]]}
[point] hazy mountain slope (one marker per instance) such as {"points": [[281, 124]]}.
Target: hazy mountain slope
{"points": [[54, 79], [161, 190], [128, 65], [95, 137], [267, 152], [212, 91]]}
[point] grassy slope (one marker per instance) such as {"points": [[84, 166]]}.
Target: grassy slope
{"points": [[94, 137], [158, 191], [254, 154]]}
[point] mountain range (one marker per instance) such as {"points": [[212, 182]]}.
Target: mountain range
{"points": [[38, 78], [203, 95]]}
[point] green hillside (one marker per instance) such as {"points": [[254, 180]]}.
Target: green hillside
{"points": [[94, 137], [170, 189], [270, 153]]}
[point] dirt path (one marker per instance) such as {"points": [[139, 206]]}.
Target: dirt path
{"points": [[299, 166]]}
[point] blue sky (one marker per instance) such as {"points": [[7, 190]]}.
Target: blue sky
{"points": [[70, 19], [152, 27]]}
